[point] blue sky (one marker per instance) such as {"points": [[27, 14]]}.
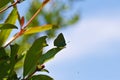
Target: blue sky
{"points": [[93, 48]]}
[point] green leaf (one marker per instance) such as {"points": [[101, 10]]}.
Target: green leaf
{"points": [[4, 65], [4, 34], [45, 70], [4, 68], [3, 54], [20, 57], [3, 3], [7, 26], [14, 50], [73, 20], [60, 41], [33, 55], [38, 29], [13, 57], [11, 1], [41, 77], [49, 55], [13, 76]]}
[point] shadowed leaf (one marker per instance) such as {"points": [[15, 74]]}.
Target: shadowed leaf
{"points": [[13, 58], [7, 26], [3, 3], [4, 65], [33, 55], [48, 55], [60, 41]]}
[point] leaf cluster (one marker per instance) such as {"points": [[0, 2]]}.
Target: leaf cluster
{"points": [[59, 13], [13, 55]]}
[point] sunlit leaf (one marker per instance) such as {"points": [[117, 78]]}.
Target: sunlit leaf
{"points": [[33, 55], [38, 29], [7, 26], [4, 34], [60, 41], [41, 77]]}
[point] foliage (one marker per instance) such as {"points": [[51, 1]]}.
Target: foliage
{"points": [[60, 13], [32, 58]]}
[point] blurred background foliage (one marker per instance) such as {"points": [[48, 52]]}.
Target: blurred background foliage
{"points": [[60, 13]]}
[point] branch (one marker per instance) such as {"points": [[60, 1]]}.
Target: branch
{"points": [[14, 38], [30, 75], [4, 9], [43, 4]]}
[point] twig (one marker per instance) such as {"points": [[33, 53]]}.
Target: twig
{"points": [[37, 69], [24, 27], [43, 4], [14, 38], [4, 9], [29, 75]]}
